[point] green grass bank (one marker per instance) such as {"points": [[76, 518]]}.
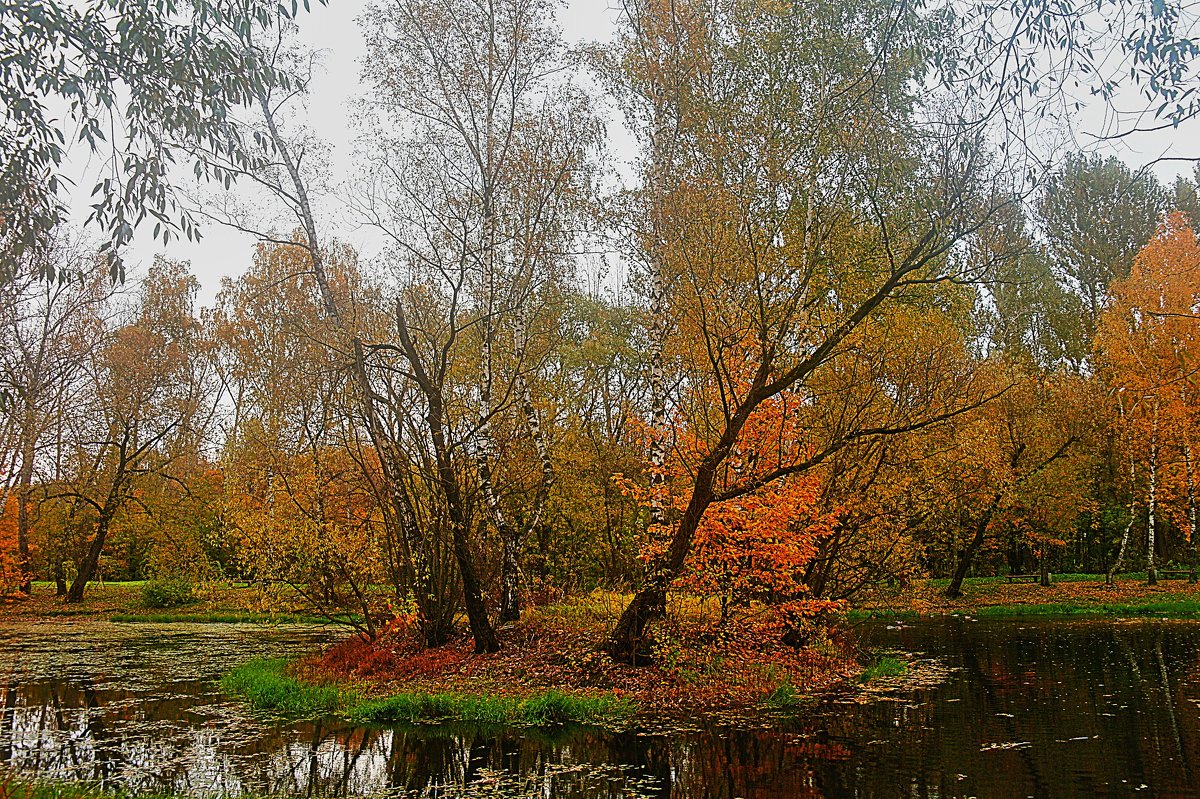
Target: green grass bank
{"points": [[267, 685]]}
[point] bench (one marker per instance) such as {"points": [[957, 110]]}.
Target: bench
{"points": [[1177, 574], [1022, 578]]}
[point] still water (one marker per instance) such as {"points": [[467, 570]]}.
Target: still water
{"points": [[1041, 708]]}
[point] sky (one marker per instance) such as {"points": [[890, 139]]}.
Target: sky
{"points": [[334, 31]]}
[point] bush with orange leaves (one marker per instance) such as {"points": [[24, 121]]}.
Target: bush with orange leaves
{"points": [[757, 546], [757, 537], [11, 575]]}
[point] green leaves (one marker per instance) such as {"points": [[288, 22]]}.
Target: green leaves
{"points": [[166, 76]]}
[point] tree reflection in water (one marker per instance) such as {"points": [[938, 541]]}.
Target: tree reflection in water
{"points": [[1045, 709]]}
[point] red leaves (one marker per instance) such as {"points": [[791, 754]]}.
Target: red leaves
{"points": [[701, 668]]}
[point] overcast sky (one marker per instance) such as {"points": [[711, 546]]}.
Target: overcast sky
{"points": [[334, 30]]}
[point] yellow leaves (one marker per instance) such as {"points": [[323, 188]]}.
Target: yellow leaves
{"points": [[1148, 341], [303, 518]]}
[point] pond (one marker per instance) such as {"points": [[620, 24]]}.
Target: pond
{"points": [[1045, 708]]}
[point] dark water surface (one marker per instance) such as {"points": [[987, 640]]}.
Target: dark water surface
{"points": [[1044, 708]]}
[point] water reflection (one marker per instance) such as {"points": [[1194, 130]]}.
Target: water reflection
{"points": [[1044, 709]]}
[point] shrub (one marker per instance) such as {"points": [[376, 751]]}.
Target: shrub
{"points": [[170, 593]]}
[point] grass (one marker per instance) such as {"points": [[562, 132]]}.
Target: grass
{"points": [[539, 710], [886, 666], [1172, 608], [265, 685], [217, 618], [13, 786], [785, 697]]}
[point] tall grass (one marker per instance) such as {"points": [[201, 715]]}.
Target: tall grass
{"points": [[886, 666], [265, 685]]}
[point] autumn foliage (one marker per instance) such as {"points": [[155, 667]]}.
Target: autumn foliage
{"points": [[12, 577]]}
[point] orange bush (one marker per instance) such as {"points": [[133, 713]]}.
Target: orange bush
{"points": [[11, 575]]}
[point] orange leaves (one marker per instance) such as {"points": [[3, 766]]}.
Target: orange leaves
{"points": [[1148, 348], [759, 544], [762, 528], [11, 575], [1149, 338]]}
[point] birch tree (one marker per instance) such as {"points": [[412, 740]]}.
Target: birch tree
{"points": [[483, 194], [48, 330]]}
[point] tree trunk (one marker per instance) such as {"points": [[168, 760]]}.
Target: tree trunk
{"points": [[628, 640], [1191, 497], [435, 421], [533, 424], [968, 553], [1151, 572], [87, 569], [510, 544], [435, 623], [1109, 577], [24, 489]]}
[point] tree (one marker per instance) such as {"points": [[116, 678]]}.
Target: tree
{"points": [[14, 576], [598, 393], [150, 401], [145, 86], [757, 542], [1002, 469], [1185, 197], [483, 196], [48, 330], [1149, 348], [773, 234], [299, 488], [1097, 215]]}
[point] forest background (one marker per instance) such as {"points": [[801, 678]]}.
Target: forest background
{"points": [[871, 332]]}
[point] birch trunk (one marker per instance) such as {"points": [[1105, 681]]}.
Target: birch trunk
{"points": [[1109, 577], [1191, 497], [1151, 573], [510, 582]]}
